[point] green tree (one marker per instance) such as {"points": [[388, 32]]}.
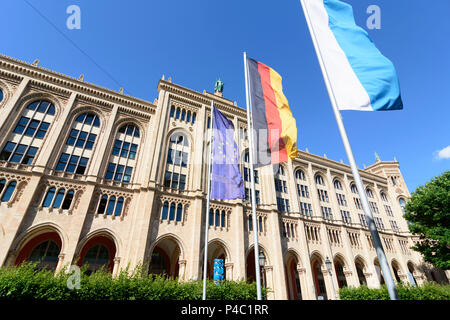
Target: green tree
{"points": [[428, 211]]}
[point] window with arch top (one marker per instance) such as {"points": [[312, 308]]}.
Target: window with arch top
{"points": [[24, 141], [79, 145], [122, 160], [176, 172]]}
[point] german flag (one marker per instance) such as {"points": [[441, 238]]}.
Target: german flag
{"points": [[275, 128]]}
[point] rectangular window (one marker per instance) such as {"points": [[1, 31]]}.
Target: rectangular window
{"points": [[7, 150], [81, 139], [175, 177], [32, 126], [110, 171], [182, 181], [167, 179], [184, 159], [362, 219], [90, 141], [42, 130], [117, 147], [29, 157], [18, 153], [62, 162], [127, 174], [133, 150], [21, 125], [119, 173]]}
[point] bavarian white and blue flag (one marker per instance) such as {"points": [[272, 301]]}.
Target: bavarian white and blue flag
{"points": [[361, 78]]}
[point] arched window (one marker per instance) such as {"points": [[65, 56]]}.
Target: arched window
{"points": [[49, 197], [102, 204], [302, 187], [188, 116], [183, 115], [383, 196], [342, 281], [175, 176], [45, 254], [9, 191], [222, 219], [353, 188], [96, 258], [1, 95], [2, 185], [79, 145], [123, 155], [246, 177], [59, 198], [402, 203], [211, 217], [119, 206], [281, 190], [68, 200], [337, 185], [27, 136], [177, 114], [172, 111], [111, 205], [319, 180], [361, 276], [194, 116], [217, 218], [340, 196], [179, 212], [165, 210], [172, 211], [369, 193]]}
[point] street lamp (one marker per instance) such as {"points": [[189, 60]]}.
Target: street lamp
{"points": [[262, 263], [328, 264]]}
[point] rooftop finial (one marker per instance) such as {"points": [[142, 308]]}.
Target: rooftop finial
{"points": [[218, 87], [81, 78], [36, 62], [377, 157]]}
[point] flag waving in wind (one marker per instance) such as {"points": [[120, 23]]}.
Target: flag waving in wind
{"points": [[361, 78], [274, 127], [226, 178]]}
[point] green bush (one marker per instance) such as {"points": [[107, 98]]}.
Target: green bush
{"points": [[427, 291], [25, 282]]}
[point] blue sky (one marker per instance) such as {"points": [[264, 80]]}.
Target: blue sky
{"points": [[132, 44]]}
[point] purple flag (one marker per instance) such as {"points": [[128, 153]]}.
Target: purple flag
{"points": [[226, 178]]}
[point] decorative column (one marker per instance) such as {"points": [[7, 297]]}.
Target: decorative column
{"points": [[303, 281], [229, 271], [268, 278], [116, 270], [181, 269], [60, 264]]}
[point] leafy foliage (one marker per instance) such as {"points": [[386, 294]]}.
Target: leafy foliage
{"points": [[428, 211], [25, 282], [428, 291]]}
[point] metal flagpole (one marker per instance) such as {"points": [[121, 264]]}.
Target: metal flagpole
{"points": [[205, 264], [359, 185], [252, 182]]}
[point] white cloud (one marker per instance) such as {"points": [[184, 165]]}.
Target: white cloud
{"points": [[444, 153]]}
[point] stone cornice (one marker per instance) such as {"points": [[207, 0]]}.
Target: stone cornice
{"points": [[64, 84], [205, 98], [331, 164]]}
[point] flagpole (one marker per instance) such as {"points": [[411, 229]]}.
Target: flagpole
{"points": [[359, 185], [252, 182], [205, 264]]}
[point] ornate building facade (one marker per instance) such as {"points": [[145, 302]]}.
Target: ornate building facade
{"points": [[93, 176]]}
